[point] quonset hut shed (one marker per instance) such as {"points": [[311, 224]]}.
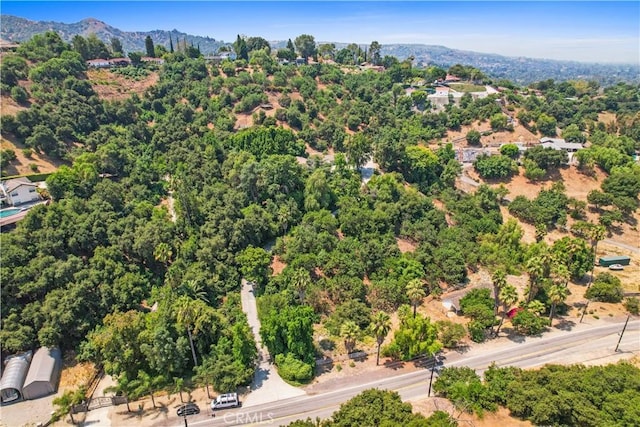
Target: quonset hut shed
{"points": [[13, 377], [44, 373]]}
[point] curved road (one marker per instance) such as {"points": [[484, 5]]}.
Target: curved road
{"points": [[593, 344]]}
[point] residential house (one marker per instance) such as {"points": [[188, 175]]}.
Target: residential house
{"points": [[157, 61], [18, 191], [99, 63], [561, 144]]}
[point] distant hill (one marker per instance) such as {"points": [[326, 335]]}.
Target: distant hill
{"points": [[18, 29], [521, 70]]}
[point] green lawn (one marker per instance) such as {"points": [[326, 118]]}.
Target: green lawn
{"points": [[466, 87]]}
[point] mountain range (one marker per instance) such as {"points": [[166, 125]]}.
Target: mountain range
{"points": [[518, 69]]}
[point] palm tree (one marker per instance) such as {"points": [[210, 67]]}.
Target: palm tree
{"points": [[146, 384], [163, 253], [301, 282], [195, 290], [185, 317], [416, 293], [560, 274], [557, 294], [380, 327], [499, 280], [596, 233], [536, 306], [122, 386], [508, 297], [350, 331], [178, 386], [535, 268]]}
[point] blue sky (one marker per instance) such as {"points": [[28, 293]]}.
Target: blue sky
{"points": [[581, 31]]}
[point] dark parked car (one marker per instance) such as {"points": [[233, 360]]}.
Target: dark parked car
{"points": [[188, 409]]}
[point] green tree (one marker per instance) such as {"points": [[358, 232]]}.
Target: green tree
{"points": [[450, 333], [605, 288], [374, 53], [358, 150], [375, 408], [350, 332], [255, 265], [557, 294], [415, 293], [380, 327], [510, 150], [240, 47], [306, 45], [546, 125], [116, 47], [417, 336], [149, 47], [146, 383], [508, 298]]}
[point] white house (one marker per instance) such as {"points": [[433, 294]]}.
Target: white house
{"points": [[99, 63], [561, 144], [18, 190]]}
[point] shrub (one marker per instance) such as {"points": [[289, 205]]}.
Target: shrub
{"points": [[632, 305], [292, 369], [606, 288], [495, 166], [27, 152], [526, 322], [449, 333], [19, 94], [510, 150], [473, 137]]}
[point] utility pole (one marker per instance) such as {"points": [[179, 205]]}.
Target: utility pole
{"points": [[433, 368], [622, 333], [584, 310]]}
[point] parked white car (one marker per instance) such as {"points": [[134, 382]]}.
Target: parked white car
{"points": [[616, 267]]}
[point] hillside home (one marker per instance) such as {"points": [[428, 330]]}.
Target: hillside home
{"points": [[148, 59], [99, 63], [18, 191], [561, 144]]}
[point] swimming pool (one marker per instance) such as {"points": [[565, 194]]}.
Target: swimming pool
{"points": [[8, 212]]}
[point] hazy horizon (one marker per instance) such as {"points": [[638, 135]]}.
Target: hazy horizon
{"points": [[595, 32]]}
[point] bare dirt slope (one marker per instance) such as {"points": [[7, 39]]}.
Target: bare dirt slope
{"points": [[111, 86]]}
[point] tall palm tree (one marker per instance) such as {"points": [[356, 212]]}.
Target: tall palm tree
{"points": [[186, 317], [416, 293], [195, 290], [301, 281], [557, 294], [499, 280], [535, 268], [596, 233], [350, 332], [508, 297], [380, 327]]}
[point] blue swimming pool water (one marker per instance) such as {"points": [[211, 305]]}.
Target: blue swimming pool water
{"points": [[8, 212]]}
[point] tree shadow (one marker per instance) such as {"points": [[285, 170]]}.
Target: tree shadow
{"points": [[394, 364], [324, 366], [327, 344], [514, 336], [565, 324], [259, 377], [461, 349]]}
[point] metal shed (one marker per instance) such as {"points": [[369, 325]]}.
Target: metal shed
{"points": [[15, 371], [44, 373]]}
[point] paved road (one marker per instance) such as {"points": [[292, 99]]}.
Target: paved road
{"points": [[267, 386], [586, 344]]}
